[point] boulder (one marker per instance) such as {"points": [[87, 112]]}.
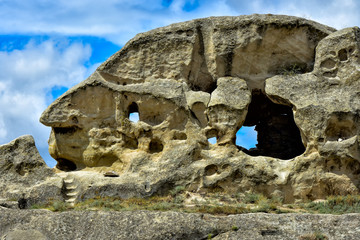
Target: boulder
{"points": [[25, 177]]}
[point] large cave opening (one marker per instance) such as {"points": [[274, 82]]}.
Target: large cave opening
{"points": [[277, 134]]}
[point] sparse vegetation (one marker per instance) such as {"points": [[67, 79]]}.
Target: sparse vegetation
{"points": [[177, 190], [314, 236], [336, 205], [56, 206], [212, 203], [234, 228], [291, 70], [252, 197]]}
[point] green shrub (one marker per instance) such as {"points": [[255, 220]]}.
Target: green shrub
{"points": [[336, 205], [252, 197], [58, 206], [177, 190], [234, 228]]}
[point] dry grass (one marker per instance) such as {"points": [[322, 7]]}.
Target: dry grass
{"points": [[212, 203]]}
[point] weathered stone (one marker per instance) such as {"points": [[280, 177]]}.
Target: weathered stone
{"points": [[25, 234], [111, 174], [295, 80], [326, 109], [9, 204], [24, 175], [41, 224]]}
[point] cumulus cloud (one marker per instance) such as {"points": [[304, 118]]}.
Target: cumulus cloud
{"points": [[335, 13], [120, 20], [116, 20], [26, 79]]}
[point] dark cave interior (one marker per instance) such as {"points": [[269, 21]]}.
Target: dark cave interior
{"points": [[277, 134]]}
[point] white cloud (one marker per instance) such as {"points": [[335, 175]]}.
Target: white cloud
{"points": [[335, 13], [26, 79], [3, 131], [120, 20], [115, 20]]}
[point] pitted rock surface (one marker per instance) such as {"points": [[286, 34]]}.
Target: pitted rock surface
{"points": [[43, 224], [295, 80], [25, 177]]}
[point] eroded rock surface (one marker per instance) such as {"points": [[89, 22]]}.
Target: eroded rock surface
{"points": [[297, 81], [42, 224], [24, 176]]}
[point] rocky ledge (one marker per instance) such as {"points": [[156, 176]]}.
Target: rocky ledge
{"points": [[43, 224]]}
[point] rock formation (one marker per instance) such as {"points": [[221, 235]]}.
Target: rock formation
{"points": [[25, 178], [297, 81]]}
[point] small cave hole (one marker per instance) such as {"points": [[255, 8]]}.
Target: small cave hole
{"points": [[212, 136], [340, 127], [155, 146], [189, 33], [180, 136], [331, 73], [75, 120], [342, 55], [277, 134], [134, 115], [65, 165], [211, 170], [65, 130], [22, 203], [212, 140], [328, 64]]}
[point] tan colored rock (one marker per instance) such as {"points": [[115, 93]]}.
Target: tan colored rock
{"points": [[294, 79], [326, 105], [24, 174], [228, 107]]}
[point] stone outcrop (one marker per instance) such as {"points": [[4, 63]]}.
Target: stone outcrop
{"points": [[25, 178], [43, 224], [295, 80]]}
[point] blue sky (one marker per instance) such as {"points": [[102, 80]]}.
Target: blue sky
{"points": [[48, 46]]}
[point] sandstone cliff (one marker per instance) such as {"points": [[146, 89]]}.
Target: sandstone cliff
{"points": [[297, 81]]}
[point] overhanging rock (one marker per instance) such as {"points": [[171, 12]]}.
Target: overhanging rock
{"points": [[297, 81]]}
